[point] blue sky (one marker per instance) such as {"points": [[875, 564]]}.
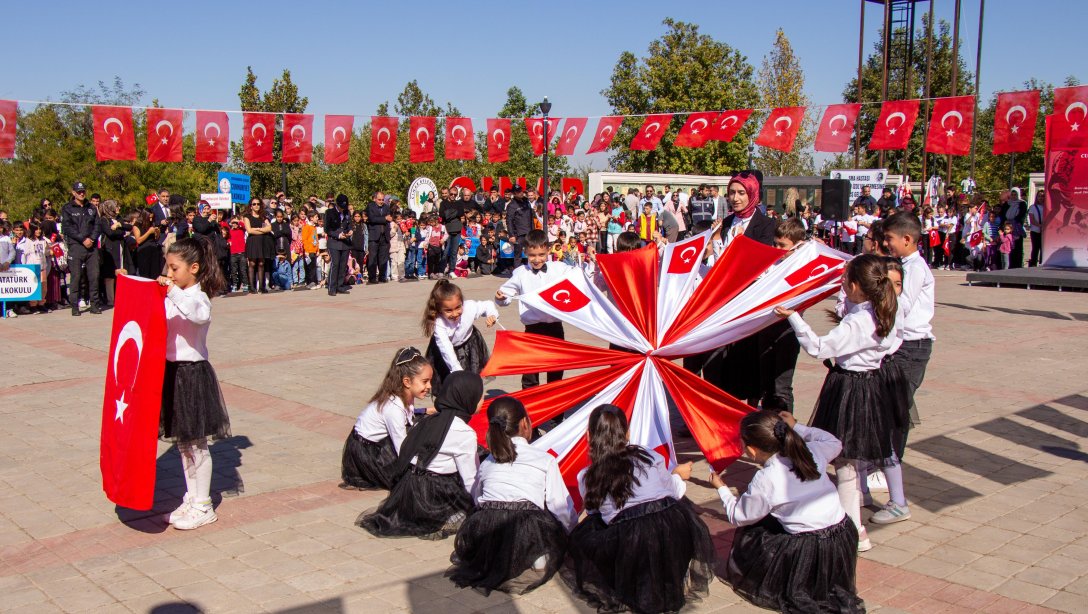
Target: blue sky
{"points": [[348, 57]]}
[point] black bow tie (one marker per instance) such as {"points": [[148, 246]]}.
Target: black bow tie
{"points": [[542, 269]]}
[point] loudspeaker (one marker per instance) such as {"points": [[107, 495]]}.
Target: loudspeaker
{"points": [[835, 199]]}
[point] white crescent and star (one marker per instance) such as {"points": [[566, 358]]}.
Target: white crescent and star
{"points": [[685, 257], [573, 129], [902, 120], [726, 122], [789, 122], [959, 122], [164, 122], [605, 132], [831, 123], [695, 130], [344, 133], [498, 136], [651, 128], [423, 139], [120, 126], [566, 301], [131, 331], [1083, 110], [538, 129], [253, 132]]}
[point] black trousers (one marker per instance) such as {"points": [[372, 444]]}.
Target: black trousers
{"points": [[547, 329], [777, 361], [377, 263], [338, 269], [310, 266], [520, 245], [360, 258], [915, 356], [434, 259], [82, 261], [1036, 249], [1016, 258]]}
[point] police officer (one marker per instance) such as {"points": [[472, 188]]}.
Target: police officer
{"points": [[702, 207], [79, 223]]}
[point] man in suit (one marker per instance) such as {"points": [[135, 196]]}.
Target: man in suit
{"points": [[338, 231], [378, 217], [160, 214]]}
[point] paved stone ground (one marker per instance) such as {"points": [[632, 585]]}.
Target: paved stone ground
{"points": [[996, 472]]}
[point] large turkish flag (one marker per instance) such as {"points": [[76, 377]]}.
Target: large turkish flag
{"points": [[780, 129], [133, 394], [338, 133], [1014, 121], [653, 128], [258, 136], [9, 112], [298, 138], [896, 122], [420, 139], [836, 127], [212, 136], [460, 141], [606, 131], [498, 140], [950, 126], [114, 138], [1069, 128], [164, 135]]}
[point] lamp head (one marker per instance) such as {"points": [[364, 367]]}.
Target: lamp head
{"points": [[545, 106]]}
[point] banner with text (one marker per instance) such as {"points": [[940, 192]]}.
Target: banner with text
{"points": [[860, 177]]}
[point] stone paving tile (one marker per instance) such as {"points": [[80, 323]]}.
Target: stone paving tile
{"points": [[995, 473]]}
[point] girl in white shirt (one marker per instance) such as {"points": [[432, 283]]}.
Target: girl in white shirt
{"points": [[456, 343], [192, 403], [854, 403], [436, 469], [795, 550], [516, 538], [373, 444], [642, 545]]}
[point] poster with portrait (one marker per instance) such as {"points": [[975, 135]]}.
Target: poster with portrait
{"points": [[1065, 217]]}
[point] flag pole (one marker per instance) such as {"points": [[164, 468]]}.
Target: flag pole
{"points": [[978, 70]]}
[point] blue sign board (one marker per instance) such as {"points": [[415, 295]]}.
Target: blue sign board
{"points": [[236, 185], [21, 282]]}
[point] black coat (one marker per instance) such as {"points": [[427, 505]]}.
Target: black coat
{"points": [[760, 228], [378, 226], [519, 218], [204, 226], [79, 222], [336, 222]]}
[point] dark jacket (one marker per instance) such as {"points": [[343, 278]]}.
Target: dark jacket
{"points": [[866, 201], [337, 221], [760, 227], [375, 219], [79, 223], [359, 236], [204, 226], [519, 218], [281, 236], [496, 207], [451, 211]]}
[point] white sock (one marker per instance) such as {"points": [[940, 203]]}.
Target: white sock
{"points": [[846, 476], [863, 478], [541, 563], [187, 468], [893, 473], [202, 458]]}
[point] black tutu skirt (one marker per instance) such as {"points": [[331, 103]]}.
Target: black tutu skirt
{"points": [[499, 543], [740, 373], [367, 464], [804, 573], [422, 504], [652, 557], [898, 395], [260, 247], [472, 354], [192, 403], [854, 407]]}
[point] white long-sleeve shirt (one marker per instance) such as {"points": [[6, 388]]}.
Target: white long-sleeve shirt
{"points": [[188, 316], [917, 299], [533, 476], [457, 454], [655, 482], [390, 420], [525, 281], [775, 490], [853, 344], [448, 334]]}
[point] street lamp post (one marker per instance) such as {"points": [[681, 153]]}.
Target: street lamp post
{"points": [[545, 107], [751, 151]]}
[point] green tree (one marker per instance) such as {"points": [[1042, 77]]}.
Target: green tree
{"points": [[682, 71], [782, 84]]}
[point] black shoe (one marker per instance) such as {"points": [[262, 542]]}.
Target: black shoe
{"points": [[344, 289], [95, 309], [371, 283], [76, 312], [332, 292]]}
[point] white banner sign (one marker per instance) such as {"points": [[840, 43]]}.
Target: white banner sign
{"points": [[875, 178], [217, 201], [417, 193]]}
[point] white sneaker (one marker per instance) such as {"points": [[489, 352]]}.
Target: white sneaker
{"points": [[541, 563], [12, 314], [864, 545], [877, 482], [176, 515], [82, 305], [195, 517], [890, 513]]}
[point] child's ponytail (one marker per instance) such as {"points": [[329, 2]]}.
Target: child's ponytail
{"points": [[794, 448], [504, 417], [767, 431], [870, 273], [442, 291], [200, 250]]}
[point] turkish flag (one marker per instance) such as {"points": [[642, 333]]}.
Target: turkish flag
{"points": [[258, 136], [606, 131], [498, 140], [696, 131], [780, 129], [1069, 128], [814, 268], [212, 136], [133, 393], [726, 126], [896, 122], [298, 138], [421, 139], [338, 133], [975, 239], [565, 297], [535, 127], [460, 140], [568, 137], [1014, 121], [383, 139], [651, 131], [9, 112], [685, 259], [114, 138], [164, 135], [836, 127], [950, 126]]}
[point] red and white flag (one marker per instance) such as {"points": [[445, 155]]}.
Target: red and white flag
{"points": [[896, 122], [212, 136], [1069, 128], [836, 127], [114, 138], [781, 127], [338, 133], [421, 139], [696, 131], [680, 264], [460, 140], [573, 299], [9, 112], [133, 393], [975, 239], [258, 136], [728, 124], [383, 140], [164, 135], [535, 127], [649, 135], [298, 138], [498, 140], [950, 126], [1014, 121], [568, 138], [606, 131]]}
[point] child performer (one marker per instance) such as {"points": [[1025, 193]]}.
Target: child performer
{"points": [[642, 546], [192, 403], [778, 347], [796, 549], [536, 274], [456, 343], [435, 470], [516, 538], [853, 404], [372, 446]]}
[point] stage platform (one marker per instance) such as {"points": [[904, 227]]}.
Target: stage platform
{"points": [[1035, 277]]}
